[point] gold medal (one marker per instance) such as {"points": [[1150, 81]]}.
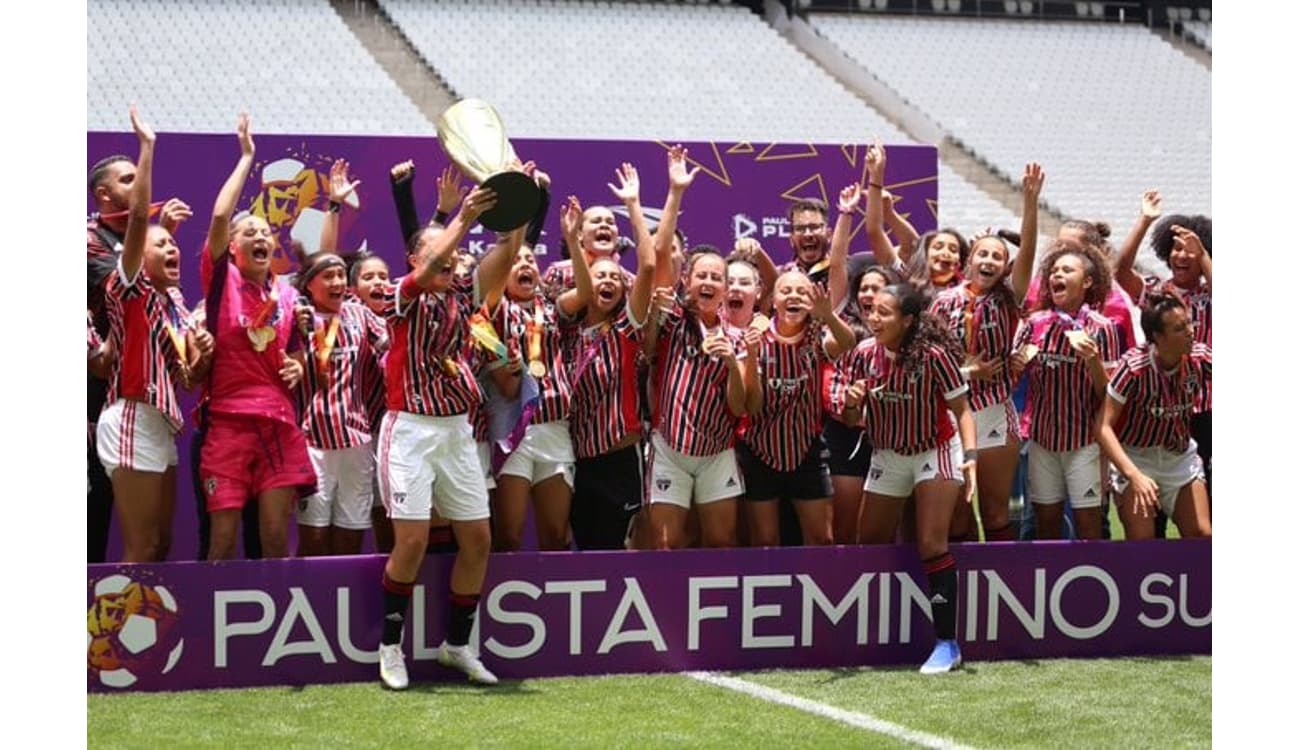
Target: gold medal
{"points": [[537, 368], [261, 337], [450, 367]]}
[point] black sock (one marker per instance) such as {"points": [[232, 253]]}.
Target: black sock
{"points": [[942, 572], [463, 607], [441, 541], [397, 597]]}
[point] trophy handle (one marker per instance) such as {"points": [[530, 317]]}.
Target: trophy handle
{"points": [[517, 200]]}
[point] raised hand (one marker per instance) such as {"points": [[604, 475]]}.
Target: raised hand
{"points": [[450, 191], [1032, 181], [401, 171], [821, 303], [1151, 205], [571, 217], [542, 179], [174, 211], [1187, 241], [142, 130], [1085, 346], [850, 196], [753, 339], [244, 130], [720, 346], [340, 188], [664, 299], [679, 177], [479, 200], [747, 249], [875, 159], [629, 184]]}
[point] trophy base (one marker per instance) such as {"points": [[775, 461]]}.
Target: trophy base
{"points": [[517, 200]]}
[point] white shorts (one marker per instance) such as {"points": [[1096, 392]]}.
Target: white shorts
{"points": [[995, 424], [894, 474], [1055, 475], [425, 460], [1171, 471], [344, 491], [485, 460], [136, 436], [546, 450], [676, 478]]}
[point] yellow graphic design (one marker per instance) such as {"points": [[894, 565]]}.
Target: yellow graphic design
{"points": [[850, 151], [131, 631], [291, 200], [793, 193], [744, 147], [809, 151]]}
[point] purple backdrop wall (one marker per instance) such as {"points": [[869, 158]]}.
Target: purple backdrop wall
{"points": [[742, 190], [293, 622]]}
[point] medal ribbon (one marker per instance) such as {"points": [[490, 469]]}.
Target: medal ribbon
{"points": [[325, 345]]}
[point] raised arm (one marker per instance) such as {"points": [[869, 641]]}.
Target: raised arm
{"points": [[340, 189], [445, 244], [839, 337], [1125, 276], [572, 301], [137, 223], [679, 178], [837, 280], [401, 177], [903, 229], [1031, 186], [224, 209], [881, 247], [748, 250], [1188, 241]]}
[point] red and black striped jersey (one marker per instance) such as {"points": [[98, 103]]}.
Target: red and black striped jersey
{"points": [[1061, 397], [515, 322], [333, 405], [790, 418], [606, 401], [986, 327], [558, 278], [691, 387], [1199, 309], [147, 329], [93, 342], [1158, 403], [904, 410], [426, 372]]}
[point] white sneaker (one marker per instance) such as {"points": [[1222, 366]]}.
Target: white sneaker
{"points": [[392, 667], [460, 657]]}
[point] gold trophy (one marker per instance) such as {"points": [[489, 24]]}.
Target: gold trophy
{"points": [[471, 133]]}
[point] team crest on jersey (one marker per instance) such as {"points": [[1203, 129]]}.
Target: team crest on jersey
{"points": [[1191, 385], [211, 485]]}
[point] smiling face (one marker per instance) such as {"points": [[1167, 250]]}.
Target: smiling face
{"points": [[327, 288], [113, 189], [606, 286], [706, 283], [1176, 334], [943, 257], [887, 322], [254, 243], [808, 236], [372, 279], [1068, 282], [792, 300], [988, 263], [423, 250], [742, 291], [1185, 263], [599, 231], [162, 258], [870, 284], [521, 284]]}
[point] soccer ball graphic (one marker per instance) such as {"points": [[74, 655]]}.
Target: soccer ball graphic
{"points": [[131, 632]]}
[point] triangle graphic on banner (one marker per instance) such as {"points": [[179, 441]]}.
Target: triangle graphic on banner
{"points": [[766, 154], [744, 147], [792, 193], [850, 151]]}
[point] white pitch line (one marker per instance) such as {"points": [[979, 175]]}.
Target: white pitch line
{"points": [[852, 718]]}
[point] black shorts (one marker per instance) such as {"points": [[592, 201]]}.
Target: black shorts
{"points": [[606, 495], [842, 441], [810, 480]]}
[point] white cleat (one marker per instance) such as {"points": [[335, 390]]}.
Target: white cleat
{"points": [[460, 657], [392, 667]]}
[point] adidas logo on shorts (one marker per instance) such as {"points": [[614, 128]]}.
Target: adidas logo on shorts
{"points": [[731, 481], [1090, 493], [927, 467]]}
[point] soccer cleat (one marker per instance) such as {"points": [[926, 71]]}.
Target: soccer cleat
{"points": [[460, 657], [392, 667], [945, 658]]}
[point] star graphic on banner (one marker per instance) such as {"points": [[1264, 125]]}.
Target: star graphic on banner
{"points": [[850, 155], [718, 170], [792, 193], [766, 153], [744, 147]]}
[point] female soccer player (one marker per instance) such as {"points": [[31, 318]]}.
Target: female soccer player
{"points": [[782, 454], [254, 445], [605, 421], [149, 332], [700, 383], [904, 382], [1066, 349], [983, 313], [1145, 424], [427, 454]]}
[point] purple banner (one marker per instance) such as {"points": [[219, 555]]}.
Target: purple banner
{"points": [[293, 622], [742, 190]]}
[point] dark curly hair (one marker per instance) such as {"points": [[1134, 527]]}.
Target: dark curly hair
{"points": [[925, 330], [1096, 268], [853, 316], [1162, 237]]}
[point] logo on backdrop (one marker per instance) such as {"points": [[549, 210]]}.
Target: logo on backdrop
{"points": [[293, 198], [131, 632]]}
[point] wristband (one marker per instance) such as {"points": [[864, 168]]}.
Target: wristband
{"points": [[875, 185], [335, 206], [441, 217], [969, 454]]}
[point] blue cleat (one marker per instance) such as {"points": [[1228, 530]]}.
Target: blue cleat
{"points": [[945, 658]]}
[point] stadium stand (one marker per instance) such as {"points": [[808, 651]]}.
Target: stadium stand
{"points": [[1112, 110], [193, 64], [1199, 31]]}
